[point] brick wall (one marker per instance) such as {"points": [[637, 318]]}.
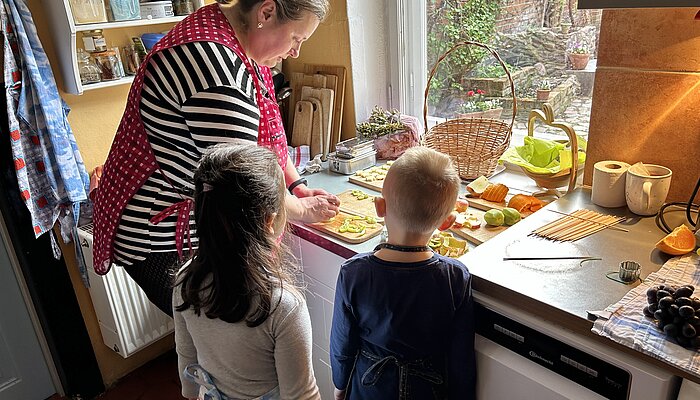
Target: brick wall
{"points": [[519, 15]]}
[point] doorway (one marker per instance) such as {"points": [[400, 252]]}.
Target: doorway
{"points": [[24, 373]]}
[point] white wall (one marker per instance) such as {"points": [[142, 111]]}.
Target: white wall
{"points": [[369, 31]]}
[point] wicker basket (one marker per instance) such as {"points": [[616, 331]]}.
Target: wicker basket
{"points": [[474, 144]]}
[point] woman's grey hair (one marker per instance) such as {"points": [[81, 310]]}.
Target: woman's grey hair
{"points": [[288, 9]]}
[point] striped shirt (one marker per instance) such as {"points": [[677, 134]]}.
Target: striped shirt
{"points": [[194, 95]]}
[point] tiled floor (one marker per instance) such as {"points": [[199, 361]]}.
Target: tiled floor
{"points": [[156, 380]]}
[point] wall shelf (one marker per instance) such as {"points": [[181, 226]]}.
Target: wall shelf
{"points": [[126, 24], [64, 32], [106, 84]]}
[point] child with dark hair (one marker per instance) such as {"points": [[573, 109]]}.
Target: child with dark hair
{"points": [[403, 322], [242, 328]]}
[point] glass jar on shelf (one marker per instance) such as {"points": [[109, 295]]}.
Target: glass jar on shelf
{"points": [[88, 11], [94, 41], [89, 72], [183, 7], [107, 62]]}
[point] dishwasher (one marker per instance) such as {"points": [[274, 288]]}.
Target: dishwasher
{"points": [[522, 357]]}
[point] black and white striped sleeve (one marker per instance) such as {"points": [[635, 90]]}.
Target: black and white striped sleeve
{"points": [[220, 114]]}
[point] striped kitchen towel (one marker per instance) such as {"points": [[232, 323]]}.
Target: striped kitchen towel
{"points": [[302, 161], [629, 327]]}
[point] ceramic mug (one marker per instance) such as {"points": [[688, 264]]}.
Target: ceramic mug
{"points": [[646, 193]]}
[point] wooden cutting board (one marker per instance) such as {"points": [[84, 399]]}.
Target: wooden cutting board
{"points": [[297, 80], [481, 204], [316, 143], [325, 96], [480, 235], [303, 120], [331, 228], [339, 99], [374, 185], [361, 207]]}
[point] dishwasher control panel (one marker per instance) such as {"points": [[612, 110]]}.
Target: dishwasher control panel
{"points": [[591, 372]]}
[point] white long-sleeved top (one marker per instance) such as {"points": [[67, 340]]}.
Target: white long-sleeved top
{"points": [[247, 362]]}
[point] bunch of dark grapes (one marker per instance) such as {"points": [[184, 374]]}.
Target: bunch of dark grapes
{"points": [[676, 313]]}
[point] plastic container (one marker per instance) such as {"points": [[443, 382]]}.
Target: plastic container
{"points": [[157, 9], [88, 11], [124, 10], [150, 39]]}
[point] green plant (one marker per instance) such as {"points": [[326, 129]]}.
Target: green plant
{"points": [[476, 102], [579, 48], [491, 70], [380, 123], [453, 21], [544, 85]]}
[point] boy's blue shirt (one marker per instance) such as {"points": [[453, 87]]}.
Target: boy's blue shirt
{"points": [[411, 311]]}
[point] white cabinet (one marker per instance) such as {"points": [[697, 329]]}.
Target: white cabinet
{"points": [[320, 272], [64, 30]]}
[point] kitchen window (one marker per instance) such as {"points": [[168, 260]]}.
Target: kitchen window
{"points": [[546, 44]]}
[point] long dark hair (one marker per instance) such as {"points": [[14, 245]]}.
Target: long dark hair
{"points": [[238, 190]]}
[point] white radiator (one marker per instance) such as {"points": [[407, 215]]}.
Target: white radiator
{"points": [[128, 320]]}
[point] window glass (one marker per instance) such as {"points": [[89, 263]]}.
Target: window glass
{"points": [[549, 47]]}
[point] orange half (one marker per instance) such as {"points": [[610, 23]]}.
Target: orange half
{"points": [[680, 241]]}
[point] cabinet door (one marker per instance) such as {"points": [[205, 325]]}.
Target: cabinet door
{"points": [[24, 373], [320, 263]]}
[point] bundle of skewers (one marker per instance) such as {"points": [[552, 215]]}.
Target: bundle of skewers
{"points": [[577, 225]]}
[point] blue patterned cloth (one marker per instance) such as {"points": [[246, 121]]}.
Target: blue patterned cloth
{"points": [[50, 171], [628, 326]]}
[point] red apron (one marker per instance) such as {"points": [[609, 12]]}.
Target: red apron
{"points": [[131, 160]]}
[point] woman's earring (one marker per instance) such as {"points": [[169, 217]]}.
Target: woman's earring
{"points": [[259, 25]]}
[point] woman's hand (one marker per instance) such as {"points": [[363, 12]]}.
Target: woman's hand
{"points": [[304, 191], [312, 209], [319, 208], [339, 394]]}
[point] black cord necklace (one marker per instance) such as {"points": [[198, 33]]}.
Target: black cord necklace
{"points": [[407, 249]]}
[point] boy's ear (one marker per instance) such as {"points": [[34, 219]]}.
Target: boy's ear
{"points": [[380, 206], [447, 223]]}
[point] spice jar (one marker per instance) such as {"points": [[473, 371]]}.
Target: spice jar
{"points": [[94, 41], [183, 7], [107, 61], [89, 73]]}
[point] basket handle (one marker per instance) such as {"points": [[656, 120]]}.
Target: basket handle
{"points": [[547, 116], [455, 47]]}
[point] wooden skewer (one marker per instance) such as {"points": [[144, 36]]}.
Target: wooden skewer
{"points": [[588, 219], [570, 225], [587, 224], [577, 225]]}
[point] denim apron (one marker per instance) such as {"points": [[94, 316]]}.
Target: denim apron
{"points": [[209, 391], [407, 372]]}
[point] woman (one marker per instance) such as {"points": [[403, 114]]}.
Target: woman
{"points": [[207, 81]]}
